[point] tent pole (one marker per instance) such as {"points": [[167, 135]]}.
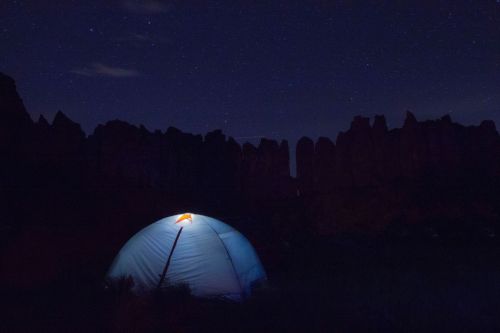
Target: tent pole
{"points": [[164, 273]]}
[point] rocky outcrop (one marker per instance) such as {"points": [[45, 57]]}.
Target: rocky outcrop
{"points": [[266, 170], [12, 110], [305, 165], [15, 122], [418, 167], [188, 165], [368, 178], [324, 162]]}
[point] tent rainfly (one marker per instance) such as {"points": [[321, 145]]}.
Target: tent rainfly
{"points": [[212, 258]]}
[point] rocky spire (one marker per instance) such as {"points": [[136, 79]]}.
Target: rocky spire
{"points": [[410, 120], [15, 122]]}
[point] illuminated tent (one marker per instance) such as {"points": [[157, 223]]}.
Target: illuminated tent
{"points": [[212, 258]]}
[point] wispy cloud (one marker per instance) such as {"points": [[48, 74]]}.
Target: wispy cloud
{"points": [[100, 69], [146, 7], [139, 40]]}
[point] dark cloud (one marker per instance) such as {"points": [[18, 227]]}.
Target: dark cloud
{"points": [[99, 69]]}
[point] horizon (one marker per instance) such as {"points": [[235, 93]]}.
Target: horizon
{"points": [[292, 145], [36, 117]]}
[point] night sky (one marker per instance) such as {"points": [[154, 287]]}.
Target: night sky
{"points": [[279, 69]]}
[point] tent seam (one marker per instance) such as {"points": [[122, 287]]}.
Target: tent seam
{"points": [[229, 256]]}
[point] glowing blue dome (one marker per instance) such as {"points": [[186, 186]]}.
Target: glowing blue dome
{"points": [[212, 258]]}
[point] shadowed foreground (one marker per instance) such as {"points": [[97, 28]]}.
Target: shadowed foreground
{"points": [[347, 284]]}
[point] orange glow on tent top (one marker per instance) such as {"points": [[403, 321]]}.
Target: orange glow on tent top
{"points": [[185, 217]]}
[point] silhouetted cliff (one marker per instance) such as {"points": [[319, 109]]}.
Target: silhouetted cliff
{"points": [[426, 170], [53, 174], [125, 175]]}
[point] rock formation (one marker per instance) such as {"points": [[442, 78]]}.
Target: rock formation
{"points": [[368, 178], [379, 175]]}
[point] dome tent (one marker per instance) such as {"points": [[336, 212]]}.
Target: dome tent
{"points": [[212, 258]]}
